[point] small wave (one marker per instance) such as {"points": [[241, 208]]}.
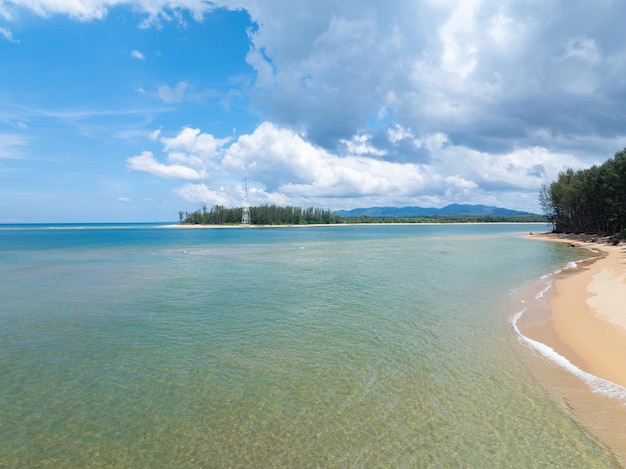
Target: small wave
{"points": [[571, 265], [541, 293], [596, 384]]}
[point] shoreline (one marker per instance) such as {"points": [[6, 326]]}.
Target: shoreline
{"points": [[200, 226], [588, 321], [575, 319]]}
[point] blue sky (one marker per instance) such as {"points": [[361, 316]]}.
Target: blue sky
{"points": [[112, 110]]}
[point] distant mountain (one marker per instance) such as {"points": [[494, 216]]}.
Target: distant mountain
{"points": [[448, 210]]}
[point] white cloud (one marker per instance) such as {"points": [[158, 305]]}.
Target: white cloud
{"points": [[154, 135], [83, 10], [459, 182], [398, 133], [88, 10], [458, 37], [202, 194], [8, 35], [440, 100], [283, 167], [191, 155], [361, 145], [284, 162], [524, 169], [173, 95], [124, 199], [500, 29], [468, 68], [147, 163], [194, 141], [483, 72], [137, 55]]}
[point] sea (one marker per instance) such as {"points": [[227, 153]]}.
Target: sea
{"points": [[358, 346]]}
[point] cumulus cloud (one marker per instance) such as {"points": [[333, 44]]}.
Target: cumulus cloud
{"points": [[283, 167], [482, 72], [433, 101], [519, 170], [457, 35], [194, 141], [147, 163], [190, 156], [285, 162]]}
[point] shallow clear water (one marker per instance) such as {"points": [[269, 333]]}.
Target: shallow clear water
{"points": [[348, 346]]}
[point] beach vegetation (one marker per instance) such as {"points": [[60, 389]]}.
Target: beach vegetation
{"points": [[591, 201]]}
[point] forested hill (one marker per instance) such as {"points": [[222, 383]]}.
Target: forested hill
{"points": [[591, 201], [448, 210]]}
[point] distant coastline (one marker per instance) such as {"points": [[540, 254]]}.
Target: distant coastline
{"points": [[289, 215], [312, 225]]}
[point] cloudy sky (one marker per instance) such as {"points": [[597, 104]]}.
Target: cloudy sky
{"points": [[118, 110]]}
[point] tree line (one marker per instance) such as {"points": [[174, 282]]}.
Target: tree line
{"points": [[275, 215], [591, 201], [260, 215]]}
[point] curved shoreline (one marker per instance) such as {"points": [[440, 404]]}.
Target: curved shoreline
{"points": [[588, 321]]}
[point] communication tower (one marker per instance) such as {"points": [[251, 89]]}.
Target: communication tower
{"points": [[245, 214]]}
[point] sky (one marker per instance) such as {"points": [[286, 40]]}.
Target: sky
{"points": [[129, 111]]}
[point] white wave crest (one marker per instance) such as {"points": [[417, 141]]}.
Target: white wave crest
{"points": [[596, 384], [541, 293]]}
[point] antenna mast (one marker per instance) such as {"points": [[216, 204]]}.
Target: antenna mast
{"points": [[245, 215]]}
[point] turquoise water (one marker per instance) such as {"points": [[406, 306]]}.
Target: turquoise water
{"points": [[347, 346]]}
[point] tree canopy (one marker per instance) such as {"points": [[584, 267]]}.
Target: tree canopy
{"points": [[261, 215], [589, 201]]}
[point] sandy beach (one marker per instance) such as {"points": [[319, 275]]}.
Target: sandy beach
{"points": [[588, 324]]}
